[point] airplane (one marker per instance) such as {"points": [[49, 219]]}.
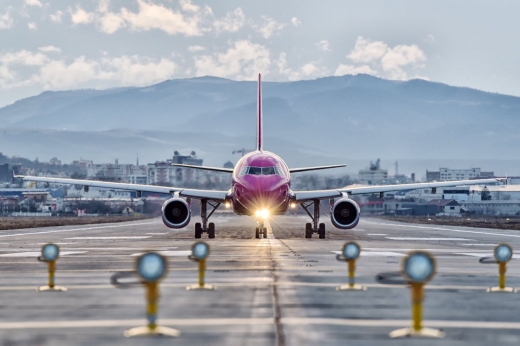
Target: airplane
{"points": [[261, 187]]}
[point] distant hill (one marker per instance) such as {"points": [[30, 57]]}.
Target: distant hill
{"points": [[335, 118]]}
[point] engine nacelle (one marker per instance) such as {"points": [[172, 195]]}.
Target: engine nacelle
{"points": [[176, 213], [345, 214]]}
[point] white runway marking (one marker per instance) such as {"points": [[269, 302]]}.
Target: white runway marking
{"points": [[377, 234], [38, 253], [105, 238], [75, 229], [478, 244], [358, 230], [158, 233], [445, 229], [168, 253], [296, 321], [428, 239], [376, 253], [480, 254]]}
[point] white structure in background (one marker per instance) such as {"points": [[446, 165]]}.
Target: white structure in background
{"points": [[458, 174], [76, 191], [493, 208], [116, 172], [373, 175]]}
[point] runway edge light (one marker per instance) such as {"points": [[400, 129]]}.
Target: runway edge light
{"points": [[503, 253], [418, 268], [50, 254], [151, 267], [199, 253], [350, 253]]}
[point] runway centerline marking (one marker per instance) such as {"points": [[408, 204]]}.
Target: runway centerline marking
{"points": [[74, 229]]}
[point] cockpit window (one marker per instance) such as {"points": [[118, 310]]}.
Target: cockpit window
{"points": [[262, 171]]}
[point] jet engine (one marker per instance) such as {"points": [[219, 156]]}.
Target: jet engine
{"points": [[176, 213], [345, 214]]}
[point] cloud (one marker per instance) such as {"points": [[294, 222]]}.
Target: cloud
{"points": [[295, 21], [196, 48], [48, 49], [367, 51], [380, 59], [5, 20], [429, 39], [232, 22], [80, 16], [323, 45], [349, 69], [268, 28], [32, 26], [82, 72], [307, 71], [56, 17], [187, 6], [33, 3], [242, 61]]}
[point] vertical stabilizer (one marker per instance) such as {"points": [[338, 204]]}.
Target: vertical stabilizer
{"points": [[259, 120]]}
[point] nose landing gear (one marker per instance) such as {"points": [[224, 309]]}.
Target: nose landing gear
{"points": [[315, 226], [204, 227], [261, 230]]}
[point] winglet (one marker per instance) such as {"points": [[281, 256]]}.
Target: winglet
{"points": [[259, 120]]}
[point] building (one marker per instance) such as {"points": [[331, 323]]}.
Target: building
{"points": [[493, 208], [447, 174], [116, 172], [55, 161], [373, 175], [163, 173], [5, 174], [446, 207]]}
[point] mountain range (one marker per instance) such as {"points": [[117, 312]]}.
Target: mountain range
{"points": [[328, 120]]}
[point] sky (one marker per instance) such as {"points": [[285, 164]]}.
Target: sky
{"points": [[73, 44]]}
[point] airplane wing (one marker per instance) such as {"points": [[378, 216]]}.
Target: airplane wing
{"points": [[361, 190], [305, 169], [219, 196], [205, 168]]}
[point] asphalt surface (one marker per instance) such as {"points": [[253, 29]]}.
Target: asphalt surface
{"points": [[279, 290]]}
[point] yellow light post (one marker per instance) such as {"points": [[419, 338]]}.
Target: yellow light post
{"points": [[503, 253], [350, 253], [50, 254], [151, 268], [199, 253], [418, 268]]}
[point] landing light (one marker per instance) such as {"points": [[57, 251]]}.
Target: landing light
{"points": [[503, 252], [419, 267], [50, 252], [263, 213], [151, 266], [293, 205], [227, 205], [200, 250]]}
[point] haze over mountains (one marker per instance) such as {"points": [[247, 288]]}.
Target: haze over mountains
{"points": [[348, 119]]}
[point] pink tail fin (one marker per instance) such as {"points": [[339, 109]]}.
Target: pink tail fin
{"points": [[259, 120]]}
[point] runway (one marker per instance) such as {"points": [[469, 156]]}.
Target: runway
{"points": [[279, 290]]}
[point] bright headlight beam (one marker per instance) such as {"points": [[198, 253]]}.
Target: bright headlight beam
{"points": [[263, 213]]}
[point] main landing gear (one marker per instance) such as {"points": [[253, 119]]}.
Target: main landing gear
{"points": [[315, 226], [261, 230], [204, 227]]}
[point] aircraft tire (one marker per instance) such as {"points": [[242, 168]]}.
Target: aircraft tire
{"points": [[211, 230], [198, 230], [321, 231], [265, 232], [308, 230], [257, 233]]}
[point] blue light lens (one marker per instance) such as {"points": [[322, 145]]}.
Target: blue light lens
{"points": [[151, 266], [200, 250], [419, 267], [503, 253], [50, 252], [351, 251]]}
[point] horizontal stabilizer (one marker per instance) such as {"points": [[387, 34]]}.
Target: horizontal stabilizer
{"points": [[305, 169], [205, 168]]}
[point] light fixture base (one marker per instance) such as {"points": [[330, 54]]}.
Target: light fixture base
{"points": [[501, 290], [49, 288], [157, 331], [421, 333], [198, 287], [351, 288]]}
